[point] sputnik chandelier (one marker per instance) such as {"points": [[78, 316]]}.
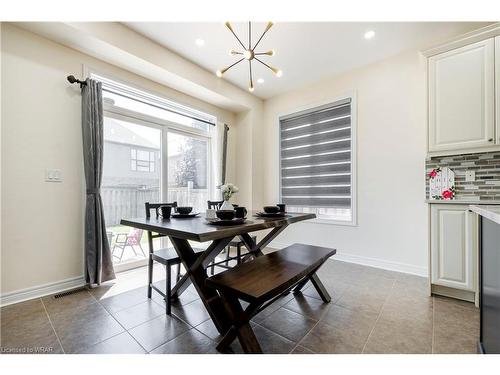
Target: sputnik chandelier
{"points": [[249, 53]]}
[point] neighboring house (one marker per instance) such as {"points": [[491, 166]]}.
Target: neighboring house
{"points": [[129, 158]]}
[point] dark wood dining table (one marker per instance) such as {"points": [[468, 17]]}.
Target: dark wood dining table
{"points": [[182, 230]]}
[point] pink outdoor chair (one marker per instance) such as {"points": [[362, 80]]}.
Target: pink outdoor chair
{"points": [[131, 239]]}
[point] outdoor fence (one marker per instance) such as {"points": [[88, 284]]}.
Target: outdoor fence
{"points": [[128, 201]]}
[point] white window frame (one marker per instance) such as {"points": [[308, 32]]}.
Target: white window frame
{"points": [[354, 167]]}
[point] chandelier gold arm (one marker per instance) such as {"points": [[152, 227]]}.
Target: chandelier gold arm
{"points": [[276, 71], [221, 72], [228, 25], [269, 25], [250, 87]]}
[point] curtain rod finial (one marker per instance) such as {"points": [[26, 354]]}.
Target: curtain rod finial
{"points": [[71, 79]]}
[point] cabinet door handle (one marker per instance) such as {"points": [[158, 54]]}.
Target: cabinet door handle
{"points": [[490, 140]]}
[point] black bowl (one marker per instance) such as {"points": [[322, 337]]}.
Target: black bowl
{"points": [[184, 210], [271, 209], [225, 214]]}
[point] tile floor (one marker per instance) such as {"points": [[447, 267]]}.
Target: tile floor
{"points": [[372, 311]]}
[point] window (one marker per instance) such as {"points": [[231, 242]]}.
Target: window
{"points": [[156, 151], [316, 161], [142, 161]]}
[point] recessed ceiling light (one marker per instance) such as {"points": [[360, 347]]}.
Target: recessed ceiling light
{"points": [[199, 42], [369, 34], [260, 80]]}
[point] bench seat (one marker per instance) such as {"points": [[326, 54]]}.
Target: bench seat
{"points": [[270, 275], [260, 282]]}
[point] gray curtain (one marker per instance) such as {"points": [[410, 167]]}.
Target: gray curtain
{"points": [[98, 258], [224, 153]]}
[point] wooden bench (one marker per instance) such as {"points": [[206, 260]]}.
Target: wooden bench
{"points": [[262, 281]]}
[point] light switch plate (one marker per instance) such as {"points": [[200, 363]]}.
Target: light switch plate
{"points": [[53, 175], [470, 176]]}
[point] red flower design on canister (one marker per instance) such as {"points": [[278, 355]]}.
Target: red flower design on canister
{"points": [[432, 173], [447, 194]]}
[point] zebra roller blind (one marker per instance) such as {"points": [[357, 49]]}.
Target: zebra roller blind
{"points": [[316, 157]]}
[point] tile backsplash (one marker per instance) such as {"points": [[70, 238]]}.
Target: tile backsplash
{"points": [[486, 166]]}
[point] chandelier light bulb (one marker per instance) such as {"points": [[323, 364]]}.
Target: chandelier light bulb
{"points": [[218, 73], [228, 25], [251, 89], [279, 73], [269, 25]]}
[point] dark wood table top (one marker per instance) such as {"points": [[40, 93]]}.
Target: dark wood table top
{"points": [[197, 229]]}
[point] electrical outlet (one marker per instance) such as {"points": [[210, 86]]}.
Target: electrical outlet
{"points": [[53, 175], [470, 176]]}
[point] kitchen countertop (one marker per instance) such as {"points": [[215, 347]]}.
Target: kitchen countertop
{"points": [[462, 201], [489, 212]]}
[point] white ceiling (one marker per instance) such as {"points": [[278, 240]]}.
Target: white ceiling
{"points": [[305, 51]]}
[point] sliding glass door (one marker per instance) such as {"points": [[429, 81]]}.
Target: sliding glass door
{"points": [[148, 162]]}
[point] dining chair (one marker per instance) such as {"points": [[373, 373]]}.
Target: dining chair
{"points": [[166, 256], [237, 243]]}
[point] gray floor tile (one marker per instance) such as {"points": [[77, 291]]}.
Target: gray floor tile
{"points": [[119, 344], [261, 316], [358, 322], [288, 324], [456, 326], [270, 342], [310, 307], [190, 342], [208, 329], [79, 329], [138, 314], [324, 338], [363, 299], [193, 313], [124, 300], [25, 328], [68, 303], [301, 350], [158, 331], [400, 336]]}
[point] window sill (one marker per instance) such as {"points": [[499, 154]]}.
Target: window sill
{"points": [[333, 222]]}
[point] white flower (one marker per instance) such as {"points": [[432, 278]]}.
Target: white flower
{"points": [[229, 189]]}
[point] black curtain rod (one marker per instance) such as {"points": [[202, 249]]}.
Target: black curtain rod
{"points": [[71, 79]]}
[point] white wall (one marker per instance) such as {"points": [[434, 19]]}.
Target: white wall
{"points": [[392, 221], [42, 223]]}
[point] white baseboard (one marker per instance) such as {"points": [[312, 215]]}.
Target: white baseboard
{"points": [[371, 262], [41, 291]]}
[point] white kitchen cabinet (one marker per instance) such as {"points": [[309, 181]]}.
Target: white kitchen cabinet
{"points": [[462, 98], [453, 246]]}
